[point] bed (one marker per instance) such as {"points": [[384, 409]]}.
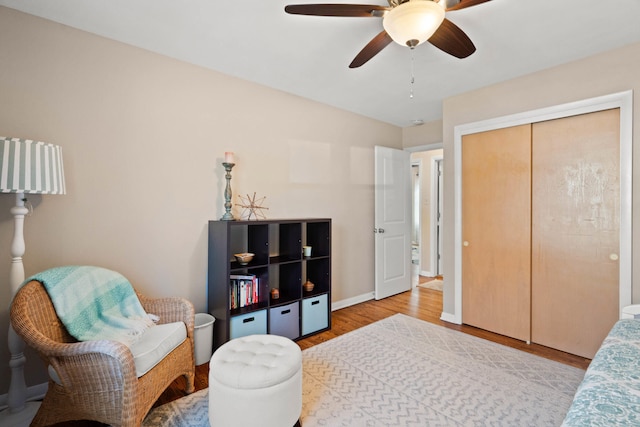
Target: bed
{"points": [[609, 394]]}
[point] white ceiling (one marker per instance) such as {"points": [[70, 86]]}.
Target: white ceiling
{"points": [[309, 56]]}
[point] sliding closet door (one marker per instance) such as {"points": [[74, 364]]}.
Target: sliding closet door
{"points": [[496, 229], [575, 231]]}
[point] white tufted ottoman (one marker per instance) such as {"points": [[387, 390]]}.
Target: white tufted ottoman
{"points": [[256, 381]]}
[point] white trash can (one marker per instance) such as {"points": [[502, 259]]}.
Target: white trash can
{"points": [[631, 312], [203, 337]]}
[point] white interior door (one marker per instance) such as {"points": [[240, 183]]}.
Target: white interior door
{"points": [[392, 222]]}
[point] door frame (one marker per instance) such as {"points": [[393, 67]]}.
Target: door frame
{"points": [[420, 149], [436, 222], [621, 100], [416, 209]]}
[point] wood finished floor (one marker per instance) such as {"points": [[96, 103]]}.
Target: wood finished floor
{"points": [[421, 303]]}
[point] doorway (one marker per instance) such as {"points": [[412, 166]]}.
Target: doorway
{"points": [[426, 163], [437, 203], [416, 190]]}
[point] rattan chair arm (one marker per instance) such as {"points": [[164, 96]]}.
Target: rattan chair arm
{"points": [[103, 364], [171, 310], [110, 348]]}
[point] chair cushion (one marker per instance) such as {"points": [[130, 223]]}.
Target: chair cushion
{"points": [[156, 342]]}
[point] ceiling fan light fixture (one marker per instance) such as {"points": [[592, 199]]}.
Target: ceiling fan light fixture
{"points": [[413, 22]]}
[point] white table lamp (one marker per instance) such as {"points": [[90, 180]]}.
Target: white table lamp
{"points": [[25, 167]]}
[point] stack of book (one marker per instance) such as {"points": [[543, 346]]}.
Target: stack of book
{"points": [[244, 290]]}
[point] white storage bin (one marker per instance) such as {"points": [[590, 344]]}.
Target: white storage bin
{"points": [[315, 315], [253, 323], [203, 337]]}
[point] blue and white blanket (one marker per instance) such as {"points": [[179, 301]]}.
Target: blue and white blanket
{"points": [[609, 394], [94, 303]]}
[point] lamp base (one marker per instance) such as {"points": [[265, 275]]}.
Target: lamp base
{"points": [[19, 419]]}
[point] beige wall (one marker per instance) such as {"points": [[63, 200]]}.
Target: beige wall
{"points": [[143, 138], [425, 134], [607, 73]]}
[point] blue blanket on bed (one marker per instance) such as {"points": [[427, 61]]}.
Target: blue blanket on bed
{"points": [[609, 394], [94, 303]]}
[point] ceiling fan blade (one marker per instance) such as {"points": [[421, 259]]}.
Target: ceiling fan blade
{"points": [[451, 39], [463, 4], [372, 48], [357, 10]]}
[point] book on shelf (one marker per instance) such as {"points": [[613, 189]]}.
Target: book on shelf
{"points": [[244, 290]]}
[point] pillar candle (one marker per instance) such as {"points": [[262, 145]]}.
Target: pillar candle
{"points": [[228, 157]]}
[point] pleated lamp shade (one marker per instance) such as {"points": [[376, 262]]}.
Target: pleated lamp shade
{"points": [[28, 166]]}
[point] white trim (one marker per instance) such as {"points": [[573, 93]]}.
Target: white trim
{"points": [[622, 100], [448, 317], [352, 301], [418, 163], [434, 212]]}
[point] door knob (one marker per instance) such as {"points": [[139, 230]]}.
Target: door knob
{"points": [[380, 230], [613, 257], [465, 243]]}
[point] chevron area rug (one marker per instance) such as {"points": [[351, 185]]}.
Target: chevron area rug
{"points": [[402, 371]]}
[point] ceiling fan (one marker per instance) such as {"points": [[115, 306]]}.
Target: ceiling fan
{"points": [[407, 22]]}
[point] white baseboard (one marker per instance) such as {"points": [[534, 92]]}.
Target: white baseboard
{"points": [[448, 317], [34, 392], [351, 301]]}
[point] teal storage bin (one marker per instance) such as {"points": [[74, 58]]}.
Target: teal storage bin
{"points": [[249, 324], [315, 315]]}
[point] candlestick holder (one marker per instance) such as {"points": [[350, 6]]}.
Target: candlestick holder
{"points": [[228, 216]]}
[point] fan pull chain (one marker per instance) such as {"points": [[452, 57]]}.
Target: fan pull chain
{"points": [[412, 73]]}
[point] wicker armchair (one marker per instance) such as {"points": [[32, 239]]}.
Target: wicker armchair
{"points": [[97, 379]]}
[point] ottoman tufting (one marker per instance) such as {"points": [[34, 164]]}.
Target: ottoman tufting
{"points": [[256, 381]]}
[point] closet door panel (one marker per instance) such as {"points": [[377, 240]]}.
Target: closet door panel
{"points": [[496, 230], [575, 231]]}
